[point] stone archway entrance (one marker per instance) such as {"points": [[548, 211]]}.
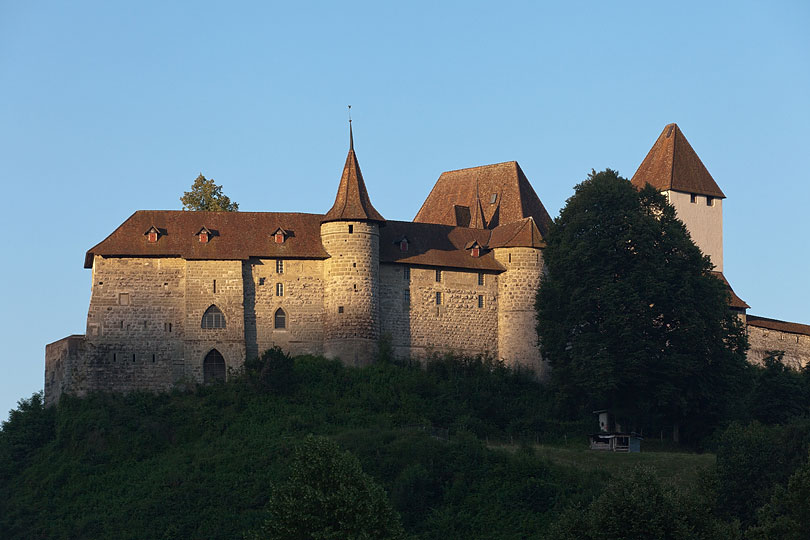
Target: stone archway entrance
{"points": [[213, 367]]}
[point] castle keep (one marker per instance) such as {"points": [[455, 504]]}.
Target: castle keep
{"points": [[185, 296]]}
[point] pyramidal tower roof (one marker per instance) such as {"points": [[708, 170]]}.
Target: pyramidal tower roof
{"points": [[672, 164], [352, 202]]}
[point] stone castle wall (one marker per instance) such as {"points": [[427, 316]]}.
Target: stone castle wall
{"points": [[351, 306], [763, 340], [418, 326], [517, 288], [301, 300]]}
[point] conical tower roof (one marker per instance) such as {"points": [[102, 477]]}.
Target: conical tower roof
{"points": [[352, 202], [672, 164]]}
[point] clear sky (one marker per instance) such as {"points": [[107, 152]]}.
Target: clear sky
{"points": [[111, 107]]}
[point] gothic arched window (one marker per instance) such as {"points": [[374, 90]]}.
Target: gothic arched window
{"points": [[213, 367], [280, 319], [213, 318]]}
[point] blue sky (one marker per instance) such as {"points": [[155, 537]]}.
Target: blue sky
{"points": [[107, 108]]}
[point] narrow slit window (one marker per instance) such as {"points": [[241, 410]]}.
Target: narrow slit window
{"points": [[279, 289], [280, 266], [480, 278], [438, 276], [215, 286], [406, 272], [438, 298], [480, 301], [351, 229]]}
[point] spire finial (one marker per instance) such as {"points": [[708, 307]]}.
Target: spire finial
{"points": [[351, 136]]}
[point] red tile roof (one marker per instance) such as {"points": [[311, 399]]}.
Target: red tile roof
{"points": [[672, 164], [781, 326], [469, 192], [237, 236], [352, 202], [734, 300]]}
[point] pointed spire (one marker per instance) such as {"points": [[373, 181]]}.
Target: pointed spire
{"points": [[352, 202], [672, 164]]}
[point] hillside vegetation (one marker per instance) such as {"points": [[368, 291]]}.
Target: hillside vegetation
{"points": [[459, 448]]}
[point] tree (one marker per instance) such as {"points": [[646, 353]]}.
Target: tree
{"points": [[328, 496], [628, 315], [205, 195]]}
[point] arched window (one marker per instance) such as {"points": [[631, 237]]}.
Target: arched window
{"points": [[213, 318], [280, 319], [213, 367]]}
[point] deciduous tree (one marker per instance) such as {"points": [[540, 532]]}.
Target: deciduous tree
{"points": [[630, 317]]}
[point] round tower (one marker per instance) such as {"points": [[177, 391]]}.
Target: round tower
{"points": [[350, 233], [517, 289]]}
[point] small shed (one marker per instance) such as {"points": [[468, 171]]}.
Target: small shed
{"points": [[611, 437]]}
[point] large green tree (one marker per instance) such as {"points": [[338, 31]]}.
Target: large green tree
{"points": [[328, 497], [630, 317], [205, 195]]}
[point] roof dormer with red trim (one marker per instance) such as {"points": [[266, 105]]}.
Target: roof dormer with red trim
{"points": [[204, 235]]}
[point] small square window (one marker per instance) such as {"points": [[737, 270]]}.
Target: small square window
{"points": [[340, 309], [438, 276], [261, 281], [279, 266], [279, 289]]}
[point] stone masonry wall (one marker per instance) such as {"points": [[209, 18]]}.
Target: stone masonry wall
{"points": [[351, 291], [763, 340], [213, 283], [301, 300], [517, 288], [419, 326]]}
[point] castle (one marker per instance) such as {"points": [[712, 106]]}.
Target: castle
{"points": [[183, 296]]}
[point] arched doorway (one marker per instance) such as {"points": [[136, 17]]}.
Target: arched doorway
{"points": [[213, 367]]}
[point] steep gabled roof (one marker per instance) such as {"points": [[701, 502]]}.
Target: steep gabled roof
{"points": [[352, 202], [672, 164], [240, 235], [734, 301], [474, 189]]}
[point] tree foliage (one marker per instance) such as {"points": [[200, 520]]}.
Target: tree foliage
{"points": [[629, 317], [205, 195], [328, 496]]}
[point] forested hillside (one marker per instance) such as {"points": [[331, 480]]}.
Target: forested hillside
{"points": [[458, 448]]}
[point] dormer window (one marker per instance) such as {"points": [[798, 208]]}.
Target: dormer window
{"points": [[403, 244], [475, 248], [280, 235], [204, 235], [709, 201], [152, 235]]}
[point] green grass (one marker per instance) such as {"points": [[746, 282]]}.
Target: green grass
{"points": [[678, 469]]}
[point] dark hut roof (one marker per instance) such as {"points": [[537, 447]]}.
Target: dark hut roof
{"points": [[352, 202], [672, 164], [240, 235], [465, 198]]}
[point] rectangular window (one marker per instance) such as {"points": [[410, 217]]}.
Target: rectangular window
{"points": [[709, 201], [480, 278], [261, 281], [351, 229], [438, 276], [123, 298], [280, 266], [693, 198], [406, 272], [480, 301], [279, 289], [438, 298], [406, 299], [340, 309], [215, 286]]}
